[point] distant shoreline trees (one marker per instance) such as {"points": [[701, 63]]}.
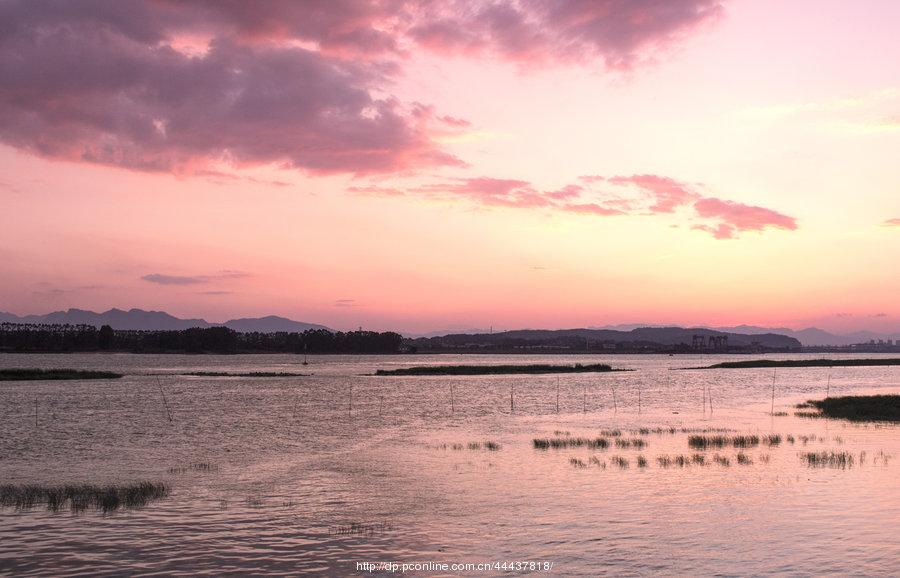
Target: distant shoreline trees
{"points": [[26, 338]]}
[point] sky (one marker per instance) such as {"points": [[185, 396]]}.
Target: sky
{"points": [[420, 166]]}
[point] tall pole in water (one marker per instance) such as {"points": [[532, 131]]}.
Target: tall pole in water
{"points": [[165, 401], [452, 407], [557, 394], [512, 406], [350, 405], [774, 371], [639, 399]]}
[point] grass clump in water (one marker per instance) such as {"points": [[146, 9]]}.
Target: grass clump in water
{"points": [[743, 459], [620, 461], [81, 497], [641, 462], [636, 443], [563, 443], [701, 442], [841, 460], [577, 463], [54, 374], [722, 460]]}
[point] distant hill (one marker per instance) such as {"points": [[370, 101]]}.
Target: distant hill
{"points": [[811, 336], [139, 319], [663, 336], [271, 324]]}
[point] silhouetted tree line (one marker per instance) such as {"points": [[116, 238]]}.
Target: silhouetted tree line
{"points": [[16, 337]]}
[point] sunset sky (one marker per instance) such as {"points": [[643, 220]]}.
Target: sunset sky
{"points": [[445, 165]]}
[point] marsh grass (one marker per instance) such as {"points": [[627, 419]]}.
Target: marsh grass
{"points": [[722, 460], [858, 407], [636, 443], [498, 369], [801, 363], [611, 433], [743, 459], [563, 443], [595, 461], [195, 467], [356, 529], [32, 374], [82, 497], [839, 460], [620, 461], [641, 462], [254, 501], [249, 374], [577, 463], [703, 442]]}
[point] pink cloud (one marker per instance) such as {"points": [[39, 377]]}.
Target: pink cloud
{"points": [[642, 195], [668, 194], [892, 223], [488, 191], [743, 217]]}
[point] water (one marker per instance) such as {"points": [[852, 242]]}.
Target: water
{"points": [[314, 474]]}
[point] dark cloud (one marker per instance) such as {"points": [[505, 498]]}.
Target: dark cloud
{"points": [[173, 279], [184, 86], [161, 279]]}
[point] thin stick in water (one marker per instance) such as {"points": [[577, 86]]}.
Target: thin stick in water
{"points": [[452, 405], [165, 401], [512, 406], [773, 390], [350, 405], [615, 405]]}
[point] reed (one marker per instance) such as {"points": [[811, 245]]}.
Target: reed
{"points": [[743, 459], [840, 460], [563, 443], [497, 369], [641, 462], [620, 461], [625, 443], [702, 442], [34, 374], [859, 407], [247, 374], [81, 497]]}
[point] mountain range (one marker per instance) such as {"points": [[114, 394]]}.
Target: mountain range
{"points": [[669, 336], [159, 321], [809, 337]]}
